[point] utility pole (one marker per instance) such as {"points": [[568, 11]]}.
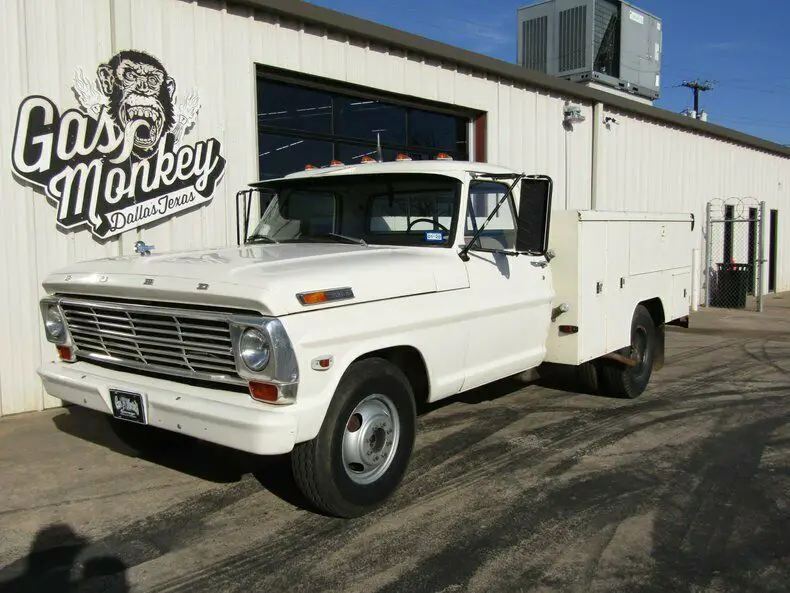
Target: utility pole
{"points": [[698, 87]]}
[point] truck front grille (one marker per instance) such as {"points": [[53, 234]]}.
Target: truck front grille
{"points": [[182, 342]]}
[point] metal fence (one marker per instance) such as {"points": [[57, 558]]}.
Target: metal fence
{"points": [[734, 254]]}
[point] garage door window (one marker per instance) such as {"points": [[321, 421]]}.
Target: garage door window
{"points": [[300, 125]]}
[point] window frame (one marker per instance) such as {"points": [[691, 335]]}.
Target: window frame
{"points": [[470, 117], [476, 245]]}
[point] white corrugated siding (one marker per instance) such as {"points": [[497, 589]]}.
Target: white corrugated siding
{"points": [[652, 166], [42, 43], [214, 49]]}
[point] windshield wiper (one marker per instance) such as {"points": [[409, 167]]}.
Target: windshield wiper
{"points": [[344, 238], [260, 239]]}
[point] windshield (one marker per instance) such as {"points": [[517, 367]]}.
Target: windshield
{"points": [[386, 209]]}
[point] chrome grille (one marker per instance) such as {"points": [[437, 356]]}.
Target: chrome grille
{"points": [[182, 342]]}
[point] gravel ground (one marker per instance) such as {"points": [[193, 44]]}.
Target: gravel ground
{"points": [[512, 488]]}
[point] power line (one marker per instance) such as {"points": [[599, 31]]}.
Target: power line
{"points": [[697, 87]]}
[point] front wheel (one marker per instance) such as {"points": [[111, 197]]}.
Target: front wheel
{"points": [[361, 453], [626, 381]]}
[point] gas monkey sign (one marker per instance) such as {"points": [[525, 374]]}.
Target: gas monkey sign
{"points": [[117, 162]]}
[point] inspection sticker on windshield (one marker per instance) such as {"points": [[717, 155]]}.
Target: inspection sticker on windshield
{"points": [[434, 237]]}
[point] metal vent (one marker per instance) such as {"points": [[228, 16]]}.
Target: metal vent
{"points": [[535, 35], [573, 35], [606, 40]]}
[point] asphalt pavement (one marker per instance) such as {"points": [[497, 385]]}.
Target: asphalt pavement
{"points": [[512, 488]]}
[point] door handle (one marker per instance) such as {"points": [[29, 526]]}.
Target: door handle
{"points": [[540, 264]]}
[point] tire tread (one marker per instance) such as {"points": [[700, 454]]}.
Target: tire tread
{"points": [[615, 378], [303, 467]]}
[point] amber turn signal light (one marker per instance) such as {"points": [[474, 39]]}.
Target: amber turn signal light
{"points": [[65, 353], [314, 298], [264, 392]]}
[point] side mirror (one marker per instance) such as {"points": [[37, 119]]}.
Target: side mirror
{"points": [[534, 214]]}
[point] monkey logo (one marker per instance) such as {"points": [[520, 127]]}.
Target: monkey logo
{"points": [[139, 95]]}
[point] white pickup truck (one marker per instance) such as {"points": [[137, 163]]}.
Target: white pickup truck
{"points": [[361, 292]]}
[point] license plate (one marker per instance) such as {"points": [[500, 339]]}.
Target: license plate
{"points": [[127, 405]]}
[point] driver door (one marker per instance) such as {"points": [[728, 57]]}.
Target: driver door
{"points": [[510, 297]]}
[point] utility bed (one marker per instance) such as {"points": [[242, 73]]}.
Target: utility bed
{"points": [[605, 264]]}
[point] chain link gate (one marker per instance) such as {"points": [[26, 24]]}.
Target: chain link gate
{"points": [[734, 254]]}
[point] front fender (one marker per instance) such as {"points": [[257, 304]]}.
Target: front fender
{"points": [[426, 323]]}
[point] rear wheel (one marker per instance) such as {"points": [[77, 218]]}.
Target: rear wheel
{"points": [[361, 453], [630, 382], [588, 375]]}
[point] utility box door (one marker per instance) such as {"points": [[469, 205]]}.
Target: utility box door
{"points": [[606, 264]]}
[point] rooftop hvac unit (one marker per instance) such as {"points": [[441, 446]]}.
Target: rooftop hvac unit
{"points": [[609, 42]]}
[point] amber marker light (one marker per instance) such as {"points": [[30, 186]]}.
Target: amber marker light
{"points": [[316, 297], [264, 392], [65, 353]]}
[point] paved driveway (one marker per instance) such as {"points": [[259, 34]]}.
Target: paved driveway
{"points": [[512, 488]]}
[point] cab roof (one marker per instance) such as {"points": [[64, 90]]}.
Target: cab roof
{"points": [[456, 169]]}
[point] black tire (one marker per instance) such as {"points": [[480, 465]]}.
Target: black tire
{"points": [[318, 465], [588, 375], [142, 438], [619, 380]]}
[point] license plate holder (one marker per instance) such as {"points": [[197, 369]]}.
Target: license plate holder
{"points": [[129, 406]]}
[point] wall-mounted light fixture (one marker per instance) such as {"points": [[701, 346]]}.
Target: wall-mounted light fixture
{"points": [[573, 114]]}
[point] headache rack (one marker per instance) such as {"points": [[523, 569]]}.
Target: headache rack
{"points": [[179, 341]]}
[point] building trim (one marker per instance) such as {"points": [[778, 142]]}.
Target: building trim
{"points": [[481, 135], [356, 27]]}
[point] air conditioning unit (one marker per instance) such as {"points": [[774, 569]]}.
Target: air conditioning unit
{"points": [[608, 42]]}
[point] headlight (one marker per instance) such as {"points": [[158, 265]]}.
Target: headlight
{"points": [[53, 323], [254, 350]]}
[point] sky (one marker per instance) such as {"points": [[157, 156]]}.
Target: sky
{"points": [[743, 47]]}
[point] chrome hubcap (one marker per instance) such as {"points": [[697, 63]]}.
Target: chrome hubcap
{"points": [[370, 439]]}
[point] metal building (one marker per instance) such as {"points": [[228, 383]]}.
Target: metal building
{"points": [[254, 88]]}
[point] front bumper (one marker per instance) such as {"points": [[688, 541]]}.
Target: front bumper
{"points": [[226, 418]]}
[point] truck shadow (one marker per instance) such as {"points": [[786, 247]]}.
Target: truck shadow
{"points": [[185, 455], [222, 465], [190, 456], [554, 377]]}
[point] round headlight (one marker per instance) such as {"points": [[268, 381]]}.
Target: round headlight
{"points": [[54, 323], [254, 350]]}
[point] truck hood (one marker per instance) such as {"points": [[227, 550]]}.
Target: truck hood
{"points": [[266, 278]]}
